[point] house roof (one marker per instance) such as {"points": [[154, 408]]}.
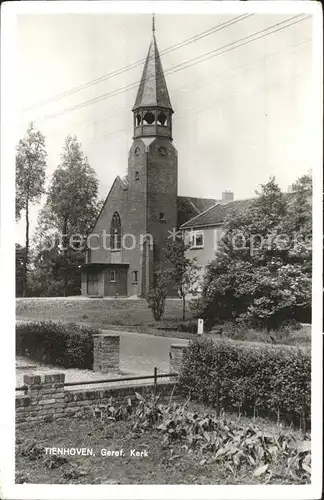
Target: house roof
{"points": [[217, 213], [189, 207], [152, 90]]}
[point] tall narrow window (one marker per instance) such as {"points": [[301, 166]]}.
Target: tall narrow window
{"points": [[115, 232]]}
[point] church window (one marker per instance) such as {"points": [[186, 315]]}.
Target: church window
{"points": [[137, 151], [112, 276], [162, 119], [149, 118], [115, 232], [138, 120], [136, 175], [161, 216], [135, 277]]}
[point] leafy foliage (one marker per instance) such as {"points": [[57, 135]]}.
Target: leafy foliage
{"points": [[228, 375], [30, 169], [183, 273], [64, 344], [73, 192], [30, 181], [158, 292], [262, 273], [64, 222], [215, 439]]}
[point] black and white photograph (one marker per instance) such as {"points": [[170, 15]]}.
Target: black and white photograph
{"points": [[161, 250]]}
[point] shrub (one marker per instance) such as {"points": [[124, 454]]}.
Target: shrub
{"points": [[187, 326], [158, 293], [64, 344], [225, 375]]}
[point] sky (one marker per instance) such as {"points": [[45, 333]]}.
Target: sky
{"points": [[240, 116]]}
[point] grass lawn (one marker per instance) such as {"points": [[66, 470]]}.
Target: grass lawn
{"points": [[130, 315], [165, 464]]}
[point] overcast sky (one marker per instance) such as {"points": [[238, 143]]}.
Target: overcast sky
{"points": [[240, 117]]}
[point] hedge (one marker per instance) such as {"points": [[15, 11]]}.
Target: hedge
{"points": [[259, 378], [63, 344]]}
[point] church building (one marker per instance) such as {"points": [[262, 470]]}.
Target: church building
{"points": [[142, 211]]}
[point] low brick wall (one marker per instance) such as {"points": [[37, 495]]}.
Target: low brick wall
{"points": [[175, 354], [106, 347], [47, 400]]}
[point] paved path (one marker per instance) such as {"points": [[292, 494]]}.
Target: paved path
{"points": [[140, 353]]}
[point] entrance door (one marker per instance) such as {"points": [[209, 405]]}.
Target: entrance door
{"points": [[92, 283]]}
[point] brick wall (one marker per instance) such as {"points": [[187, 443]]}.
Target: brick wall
{"points": [[47, 400], [106, 352]]}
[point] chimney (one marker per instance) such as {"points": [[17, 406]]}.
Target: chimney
{"points": [[227, 196]]}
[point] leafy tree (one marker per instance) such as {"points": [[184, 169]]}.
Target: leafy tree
{"points": [[184, 271], [261, 275], [30, 179], [72, 195], [70, 211]]}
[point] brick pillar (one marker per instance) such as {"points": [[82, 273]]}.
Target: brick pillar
{"points": [[46, 395], [106, 352], [175, 355]]}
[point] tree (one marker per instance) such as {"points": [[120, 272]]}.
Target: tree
{"points": [[70, 211], [72, 196], [184, 271], [20, 257], [30, 179], [261, 274]]}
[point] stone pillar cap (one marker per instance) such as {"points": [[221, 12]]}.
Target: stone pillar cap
{"points": [[108, 334]]}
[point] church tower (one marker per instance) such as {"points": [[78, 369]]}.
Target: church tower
{"points": [[152, 167]]}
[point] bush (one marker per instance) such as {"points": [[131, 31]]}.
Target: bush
{"points": [[240, 331], [158, 293], [64, 344], [249, 378], [189, 326]]}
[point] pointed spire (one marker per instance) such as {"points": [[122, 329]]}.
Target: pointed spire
{"points": [[153, 90]]}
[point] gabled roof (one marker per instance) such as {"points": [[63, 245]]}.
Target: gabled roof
{"points": [[124, 184], [217, 213], [189, 207], [152, 90]]}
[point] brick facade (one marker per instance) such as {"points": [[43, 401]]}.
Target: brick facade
{"points": [[106, 352], [146, 203], [46, 400]]}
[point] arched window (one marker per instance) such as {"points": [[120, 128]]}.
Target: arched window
{"points": [[115, 232]]}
